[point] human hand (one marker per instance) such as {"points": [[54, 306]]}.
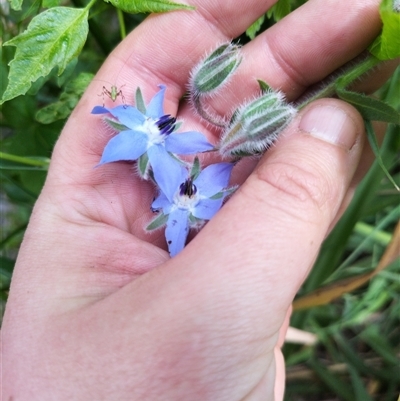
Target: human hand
{"points": [[98, 310]]}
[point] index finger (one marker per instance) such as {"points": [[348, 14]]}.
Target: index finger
{"points": [[161, 50], [165, 47]]}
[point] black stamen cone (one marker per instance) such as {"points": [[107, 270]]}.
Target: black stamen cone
{"points": [[166, 124], [187, 188]]}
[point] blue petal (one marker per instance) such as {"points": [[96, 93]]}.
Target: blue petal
{"points": [[162, 202], [155, 108], [99, 110], [187, 143], [213, 178], [177, 231], [207, 208], [127, 145], [127, 115], [168, 172]]}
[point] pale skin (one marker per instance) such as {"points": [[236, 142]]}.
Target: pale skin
{"points": [[98, 310]]}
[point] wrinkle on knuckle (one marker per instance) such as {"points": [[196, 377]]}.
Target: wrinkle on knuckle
{"points": [[309, 190], [210, 18], [284, 63]]}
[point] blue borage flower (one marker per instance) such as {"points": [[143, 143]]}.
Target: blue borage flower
{"points": [[190, 201], [147, 135]]}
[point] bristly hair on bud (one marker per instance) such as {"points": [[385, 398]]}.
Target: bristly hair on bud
{"points": [[214, 70], [256, 125], [210, 75]]}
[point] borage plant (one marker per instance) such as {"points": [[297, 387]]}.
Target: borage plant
{"points": [[45, 81], [188, 197]]}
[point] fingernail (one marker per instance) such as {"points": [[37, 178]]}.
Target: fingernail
{"points": [[330, 124]]}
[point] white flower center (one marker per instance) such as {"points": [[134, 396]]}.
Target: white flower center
{"points": [[150, 127], [187, 196]]}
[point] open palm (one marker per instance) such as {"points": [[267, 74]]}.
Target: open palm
{"points": [[109, 315]]}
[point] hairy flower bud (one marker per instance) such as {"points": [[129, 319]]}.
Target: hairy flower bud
{"points": [[256, 125], [215, 70]]}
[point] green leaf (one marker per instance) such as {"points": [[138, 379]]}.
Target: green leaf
{"points": [[387, 45], [143, 166], [178, 125], [158, 222], [16, 192], [375, 147], [370, 108], [116, 125], [264, 87], [252, 30], [50, 3], [12, 236], [225, 192], [6, 268], [68, 100], [377, 341], [148, 6], [279, 10], [194, 173], [33, 9], [140, 105], [53, 38], [13, 162], [360, 392], [331, 380], [16, 4], [67, 75]]}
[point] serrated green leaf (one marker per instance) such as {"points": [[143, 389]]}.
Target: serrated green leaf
{"points": [[252, 30], [139, 101], [370, 108], [67, 102], [16, 4], [52, 39], [158, 222], [375, 148], [387, 45], [148, 6]]}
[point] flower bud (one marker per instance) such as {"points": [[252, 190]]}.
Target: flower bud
{"points": [[215, 70], [256, 125]]}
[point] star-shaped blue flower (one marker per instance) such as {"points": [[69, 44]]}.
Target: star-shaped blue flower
{"points": [[191, 201], [150, 134]]}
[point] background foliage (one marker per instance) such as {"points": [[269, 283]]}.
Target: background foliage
{"points": [[351, 299]]}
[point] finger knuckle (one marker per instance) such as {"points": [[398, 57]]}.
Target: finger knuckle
{"points": [[305, 191]]}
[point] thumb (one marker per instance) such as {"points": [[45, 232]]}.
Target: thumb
{"points": [[265, 239], [231, 287]]}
